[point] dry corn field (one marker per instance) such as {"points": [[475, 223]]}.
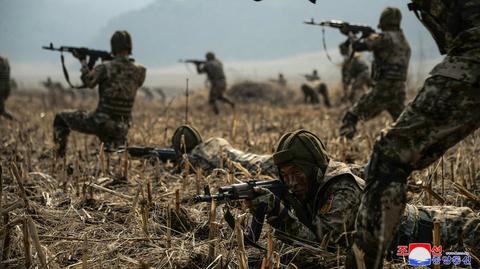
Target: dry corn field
{"points": [[100, 210]]}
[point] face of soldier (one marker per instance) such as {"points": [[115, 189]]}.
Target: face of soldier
{"points": [[295, 180]]}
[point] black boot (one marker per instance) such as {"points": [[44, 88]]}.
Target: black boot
{"points": [[349, 125]]}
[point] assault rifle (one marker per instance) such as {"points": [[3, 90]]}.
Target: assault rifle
{"points": [[241, 191], [344, 27], [192, 61], [245, 191], [80, 53], [163, 154]]}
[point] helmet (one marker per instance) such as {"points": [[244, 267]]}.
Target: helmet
{"points": [[191, 139], [210, 56], [121, 41], [390, 18], [303, 149]]}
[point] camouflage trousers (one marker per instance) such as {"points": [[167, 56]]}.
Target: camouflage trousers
{"points": [[359, 86], [444, 112], [217, 90], [386, 95], [111, 132]]}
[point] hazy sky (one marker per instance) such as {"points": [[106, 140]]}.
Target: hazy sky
{"points": [[242, 32]]}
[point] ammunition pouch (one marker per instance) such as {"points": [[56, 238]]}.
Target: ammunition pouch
{"points": [[116, 108], [388, 71]]}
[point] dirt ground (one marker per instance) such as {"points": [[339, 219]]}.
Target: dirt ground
{"points": [[98, 210]]}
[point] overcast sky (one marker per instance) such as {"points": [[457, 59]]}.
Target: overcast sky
{"points": [[242, 32]]}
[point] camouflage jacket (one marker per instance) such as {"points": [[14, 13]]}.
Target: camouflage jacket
{"points": [[333, 211], [391, 53], [462, 42], [4, 77], [337, 203], [214, 152], [352, 68], [118, 82], [213, 69]]}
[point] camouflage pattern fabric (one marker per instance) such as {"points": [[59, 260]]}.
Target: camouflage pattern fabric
{"points": [[386, 95], [459, 228], [4, 86], [337, 206], [445, 111], [218, 84], [391, 53], [212, 154], [118, 82], [355, 77]]}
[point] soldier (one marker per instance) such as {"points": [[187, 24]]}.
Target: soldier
{"points": [[391, 53], [211, 154], [313, 87], [445, 111], [355, 74], [280, 81], [218, 84], [118, 81], [325, 197], [4, 86]]}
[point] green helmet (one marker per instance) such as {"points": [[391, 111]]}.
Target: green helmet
{"points": [[121, 41], [303, 149], [210, 56], [390, 18], [192, 139]]}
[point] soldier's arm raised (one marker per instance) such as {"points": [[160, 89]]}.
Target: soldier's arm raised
{"points": [[93, 77], [378, 41]]}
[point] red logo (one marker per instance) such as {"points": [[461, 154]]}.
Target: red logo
{"points": [[437, 251], [402, 251]]}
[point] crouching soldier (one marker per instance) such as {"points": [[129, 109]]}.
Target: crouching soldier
{"points": [[118, 81]]}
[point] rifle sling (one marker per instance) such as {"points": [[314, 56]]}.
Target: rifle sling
{"points": [[67, 76], [231, 222]]}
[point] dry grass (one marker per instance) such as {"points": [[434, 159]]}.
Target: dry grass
{"points": [[80, 225]]}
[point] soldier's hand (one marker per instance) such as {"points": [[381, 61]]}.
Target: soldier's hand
{"points": [[81, 57], [345, 29], [264, 198]]}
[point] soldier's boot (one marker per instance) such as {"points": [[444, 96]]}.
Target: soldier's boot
{"points": [[349, 125], [215, 108], [7, 115], [60, 136], [228, 101]]}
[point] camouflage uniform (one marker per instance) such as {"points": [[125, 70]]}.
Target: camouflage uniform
{"points": [[445, 110], [212, 153], [218, 83], [355, 73], [4, 86], [312, 88], [118, 82], [328, 213], [391, 53]]}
